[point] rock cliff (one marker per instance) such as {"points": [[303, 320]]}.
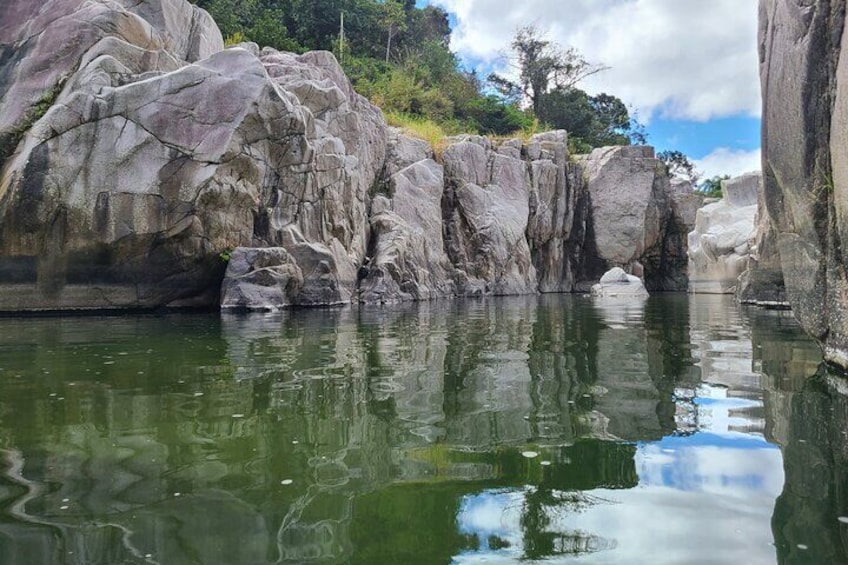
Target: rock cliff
{"points": [[720, 246], [140, 161], [804, 76]]}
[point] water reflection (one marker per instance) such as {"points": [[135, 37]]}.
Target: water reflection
{"points": [[505, 430]]}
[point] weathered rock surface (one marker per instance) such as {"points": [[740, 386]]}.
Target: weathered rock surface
{"points": [[804, 76], [128, 189], [407, 259], [559, 213], [638, 219], [720, 244], [617, 284], [486, 211], [136, 153], [762, 283]]}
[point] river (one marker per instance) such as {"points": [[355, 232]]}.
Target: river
{"points": [[545, 429]]}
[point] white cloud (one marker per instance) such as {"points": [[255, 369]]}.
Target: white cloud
{"points": [[687, 59], [724, 161]]}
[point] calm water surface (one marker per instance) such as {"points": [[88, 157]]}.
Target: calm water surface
{"points": [[552, 429]]}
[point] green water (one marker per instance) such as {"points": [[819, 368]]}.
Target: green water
{"points": [[684, 430]]}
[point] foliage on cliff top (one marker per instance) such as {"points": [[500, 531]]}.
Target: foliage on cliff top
{"points": [[398, 56]]}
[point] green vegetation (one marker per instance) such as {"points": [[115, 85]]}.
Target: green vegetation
{"points": [[678, 164], [398, 56], [711, 188]]}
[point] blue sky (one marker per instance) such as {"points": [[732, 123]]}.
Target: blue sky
{"points": [[689, 68]]}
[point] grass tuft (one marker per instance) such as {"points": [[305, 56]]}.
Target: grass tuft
{"points": [[421, 128]]}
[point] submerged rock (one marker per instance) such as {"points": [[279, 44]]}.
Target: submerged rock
{"points": [[618, 284], [720, 244]]}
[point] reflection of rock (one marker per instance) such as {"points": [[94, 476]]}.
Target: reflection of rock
{"points": [[808, 516], [720, 244], [617, 284], [373, 412]]}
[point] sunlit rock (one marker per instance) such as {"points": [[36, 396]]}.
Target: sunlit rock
{"points": [[638, 218], [720, 244], [617, 284]]}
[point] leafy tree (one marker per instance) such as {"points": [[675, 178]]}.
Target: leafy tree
{"points": [[596, 121], [542, 65], [678, 164], [712, 187]]}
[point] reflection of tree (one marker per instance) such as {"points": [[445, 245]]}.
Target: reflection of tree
{"points": [[540, 506]]}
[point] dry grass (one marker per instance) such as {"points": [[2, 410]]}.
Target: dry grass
{"points": [[420, 128]]}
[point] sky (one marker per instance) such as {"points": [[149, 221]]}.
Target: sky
{"points": [[687, 68]]}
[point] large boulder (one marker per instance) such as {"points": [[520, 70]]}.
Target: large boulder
{"points": [[633, 223], [617, 284], [804, 76], [486, 209], [43, 44], [720, 243], [145, 169]]}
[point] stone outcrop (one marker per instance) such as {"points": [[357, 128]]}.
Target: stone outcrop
{"points": [[139, 157], [559, 213], [638, 218], [804, 74], [407, 258], [486, 212], [762, 283], [720, 245], [126, 192]]}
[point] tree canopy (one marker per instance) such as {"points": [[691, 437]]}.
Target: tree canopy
{"points": [[398, 55]]}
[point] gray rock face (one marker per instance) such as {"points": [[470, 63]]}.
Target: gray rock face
{"points": [[486, 211], [125, 192], [634, 223], [559, 211], [43, 44], [762, 283], [136, 155], [805, 113], [407, 260], [720, 243]]}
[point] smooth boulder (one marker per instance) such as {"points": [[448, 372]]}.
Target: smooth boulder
{"points": [[616, 283]]}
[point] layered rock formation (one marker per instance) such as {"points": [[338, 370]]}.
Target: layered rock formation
{"points": [[639, 218], [720, 246], [146, 168], [804, 77], [143, 157]]}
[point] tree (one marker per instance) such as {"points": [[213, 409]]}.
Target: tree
{"points": [[711, 187], [596, 121], [543, 65], [394, 18], [677, 164]]}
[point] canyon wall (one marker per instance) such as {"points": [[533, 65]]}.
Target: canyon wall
{"points": [[143, 165]]}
